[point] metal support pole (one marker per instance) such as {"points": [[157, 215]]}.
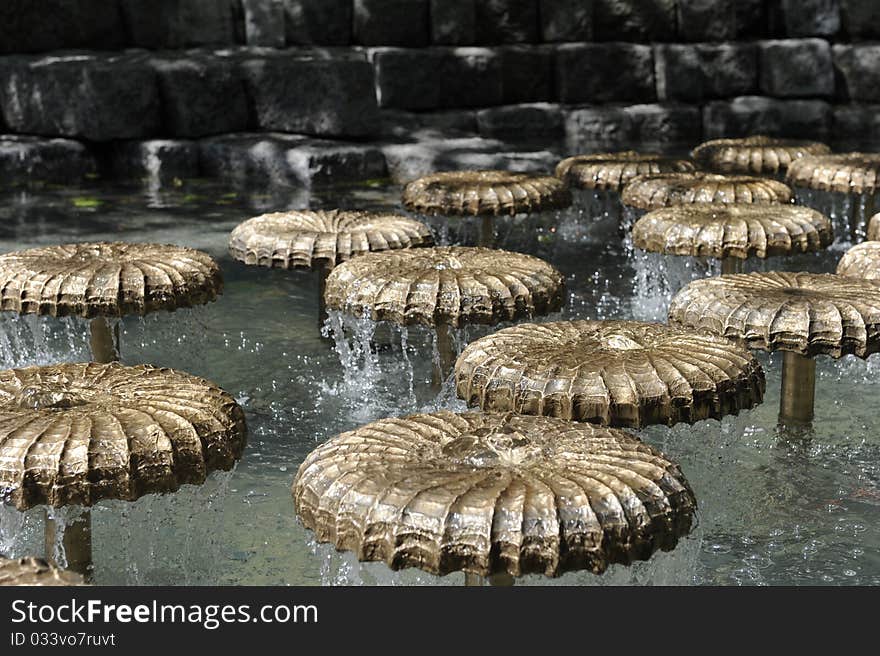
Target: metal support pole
{"points": [[76, 544], [731, 265], [103, 340], [798, 390]]}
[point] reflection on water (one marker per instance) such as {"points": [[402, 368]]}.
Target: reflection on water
{"points": [[772, 510]]}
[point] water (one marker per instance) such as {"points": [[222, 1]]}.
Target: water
{"points": [[773, 510], [849, 213]]}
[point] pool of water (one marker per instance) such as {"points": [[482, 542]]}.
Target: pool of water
{"points": [[774, 508]]}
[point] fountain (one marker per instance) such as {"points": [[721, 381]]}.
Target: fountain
{"points": [[843, 186], [801, 314], [529, 202], [686, 242], [651, 192], [596, 181], [442, 288], [35, 571], [319, 240], [757, 154], [76, 434], [861, 261], [494, 495], [103, 280], [611, 373]]}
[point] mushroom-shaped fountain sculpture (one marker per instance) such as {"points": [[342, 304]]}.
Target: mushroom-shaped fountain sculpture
{"points": [[757, 154], [36, 572], [76, 434], [596, 179], [445, 287], [651, 192], [493, 495], [841, 185], [862, 261], [874, 228], [611, 373], [801, 314], [319, 240], [104, 280], [678, 240], [484, 194]]}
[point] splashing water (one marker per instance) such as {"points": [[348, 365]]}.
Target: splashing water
{"points": [[849, 213]]}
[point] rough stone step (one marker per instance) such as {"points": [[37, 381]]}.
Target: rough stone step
{"points": [[28, 159]]}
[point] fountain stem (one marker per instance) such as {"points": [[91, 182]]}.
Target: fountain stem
{"points": [[798, 390], [103, 340], [76, 543], [499, 580], [446, 353], [486, 238], [731, 265]]}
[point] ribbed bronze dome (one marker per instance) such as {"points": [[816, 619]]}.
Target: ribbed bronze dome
{"points": [[303, 238], [460, 193], [613, 170], [613, 373], [486, 494], [80, 433], [650, 192], [806, 313], [106, 279], [742, 231], [451, 285], [874, 228], [756, 154], [861, 261], [35, 571], [847, 173]]}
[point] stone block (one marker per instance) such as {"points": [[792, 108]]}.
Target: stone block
{"points": [[753, 20], [658, 125], [391, 23], [856, 127], [506, 21], [313, 94], [566, 20], [693, 72], [604, 72], [528, 73], [598, 127], [634, 20], [453, 22], [858, 71], [172, 24], [318, 22], [156, 162], [521, 123], [41, 25], [796, 68], [94, 97], [810, 17], [748, 115], [264, 23], [707, 20], [271, 159], [201, 95], [860, 19], [436, 78], [36, 160]]}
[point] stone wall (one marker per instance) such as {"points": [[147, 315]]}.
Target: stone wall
{"points": [[297, 91]]}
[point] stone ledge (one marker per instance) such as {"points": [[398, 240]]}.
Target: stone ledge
{"points": [[32, 159]]}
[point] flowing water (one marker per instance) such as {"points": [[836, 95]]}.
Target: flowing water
{"points": [[774, 509]]}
